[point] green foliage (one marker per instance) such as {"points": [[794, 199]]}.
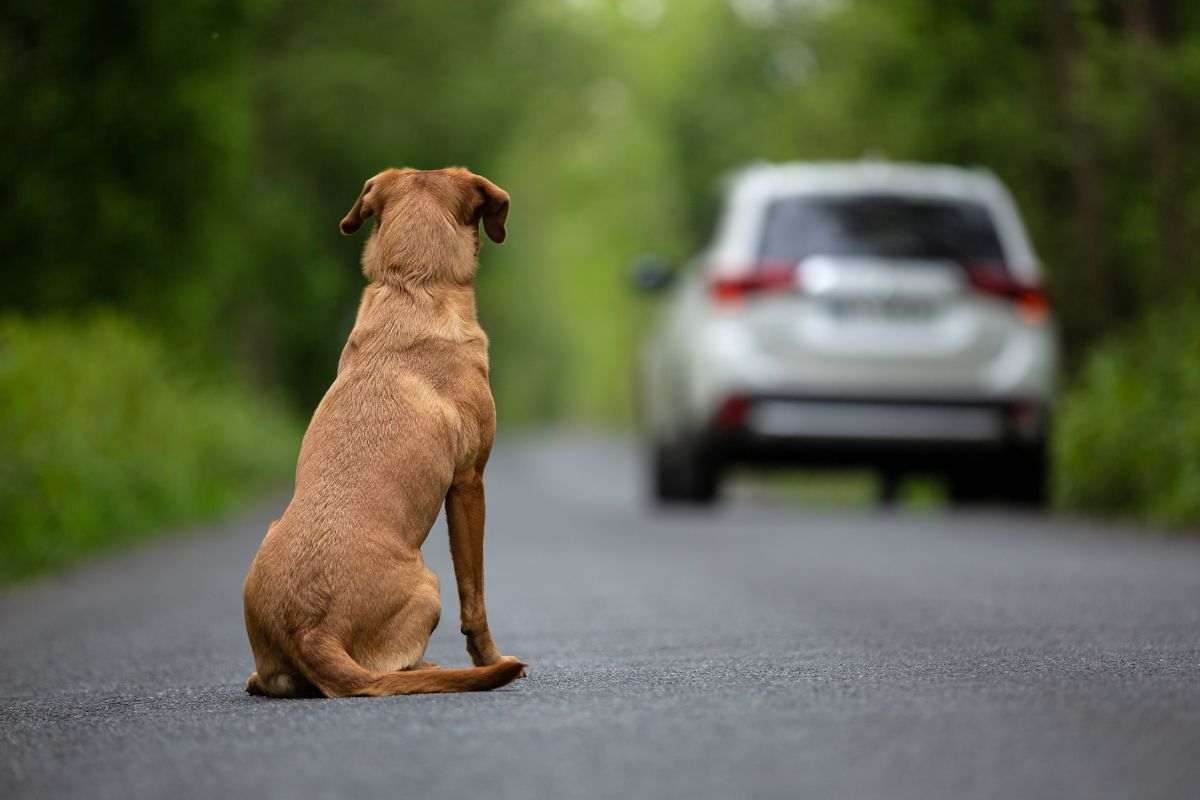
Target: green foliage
{"points": [[1127, 440], [122, 156], [105, 440], [186, 163], [190, 162]]}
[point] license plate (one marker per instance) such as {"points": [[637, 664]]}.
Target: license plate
{"points": [[871, 421], [914, 309]]}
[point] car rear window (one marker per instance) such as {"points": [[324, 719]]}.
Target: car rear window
{"points": [[886, 226]]}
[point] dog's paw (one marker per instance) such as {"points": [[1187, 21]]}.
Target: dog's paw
{"points": [[254, 685]]}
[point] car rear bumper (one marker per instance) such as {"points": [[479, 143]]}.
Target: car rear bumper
{"points": [[836, 431]]}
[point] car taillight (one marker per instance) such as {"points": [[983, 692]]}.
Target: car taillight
{"points": [[732, 412], [991, 279], [1027, 417], [761, 279]]}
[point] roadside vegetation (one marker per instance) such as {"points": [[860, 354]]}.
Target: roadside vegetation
{"points": [[184, 166], [106, 440], [1128, 438]]}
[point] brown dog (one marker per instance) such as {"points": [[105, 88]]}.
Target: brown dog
{"points": [[338, 600]]}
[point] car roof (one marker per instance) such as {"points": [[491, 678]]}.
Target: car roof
{"points": [[751, 189], [866, 175]]}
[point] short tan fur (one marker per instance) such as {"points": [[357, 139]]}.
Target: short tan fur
{"points": [[339, 601]]}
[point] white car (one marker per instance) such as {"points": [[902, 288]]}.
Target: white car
{"points": [[878, 314]]}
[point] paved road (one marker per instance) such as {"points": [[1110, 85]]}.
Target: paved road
{"points": [[763, 651]]}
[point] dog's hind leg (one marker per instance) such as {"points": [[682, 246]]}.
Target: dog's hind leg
{"points": [[280, 684], [254, 685], [400, 643]]}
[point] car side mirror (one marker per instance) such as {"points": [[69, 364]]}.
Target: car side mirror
{"points": [[651, 274]]}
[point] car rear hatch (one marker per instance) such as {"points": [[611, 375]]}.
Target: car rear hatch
{"points": [[878, 294]]}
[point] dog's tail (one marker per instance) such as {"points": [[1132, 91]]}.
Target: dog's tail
{"points": [[330, 668]]}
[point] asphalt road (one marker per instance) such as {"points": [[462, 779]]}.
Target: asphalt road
{"points": [[762, 651]]}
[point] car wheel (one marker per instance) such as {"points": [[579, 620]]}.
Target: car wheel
{"points": [[683, 475], [1028, 479], [966, 486], [1018, 479]]}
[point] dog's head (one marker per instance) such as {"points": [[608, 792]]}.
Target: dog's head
{"points": [[426, 224]]}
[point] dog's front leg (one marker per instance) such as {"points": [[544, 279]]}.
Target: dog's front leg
{"points": [[464, 517]]}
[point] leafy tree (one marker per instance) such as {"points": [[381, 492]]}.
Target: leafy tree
{"points": [[124, 151]]}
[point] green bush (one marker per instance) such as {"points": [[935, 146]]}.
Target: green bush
{"points": [[1128, 434], [103, 439]]}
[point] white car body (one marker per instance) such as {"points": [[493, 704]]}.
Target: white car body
{"points": [[863, 357]]}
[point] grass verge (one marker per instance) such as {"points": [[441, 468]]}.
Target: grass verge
{"points": [[1127, 441], [106, 440]]}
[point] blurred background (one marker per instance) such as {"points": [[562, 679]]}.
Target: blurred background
{"points": [[175, 291]]}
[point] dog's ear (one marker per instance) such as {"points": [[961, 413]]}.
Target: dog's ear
{"points": [[493, 209], [363, 207]]}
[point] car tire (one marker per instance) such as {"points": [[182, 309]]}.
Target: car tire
{"points": [[971, 484], [1028, 478], [1019, 479], [683, 475]]}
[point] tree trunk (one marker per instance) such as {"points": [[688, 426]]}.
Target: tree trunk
{"points": [[1087, 276], [1145, 23]]}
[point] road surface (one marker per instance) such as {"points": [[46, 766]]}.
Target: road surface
{"points": [[763, 651]]}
